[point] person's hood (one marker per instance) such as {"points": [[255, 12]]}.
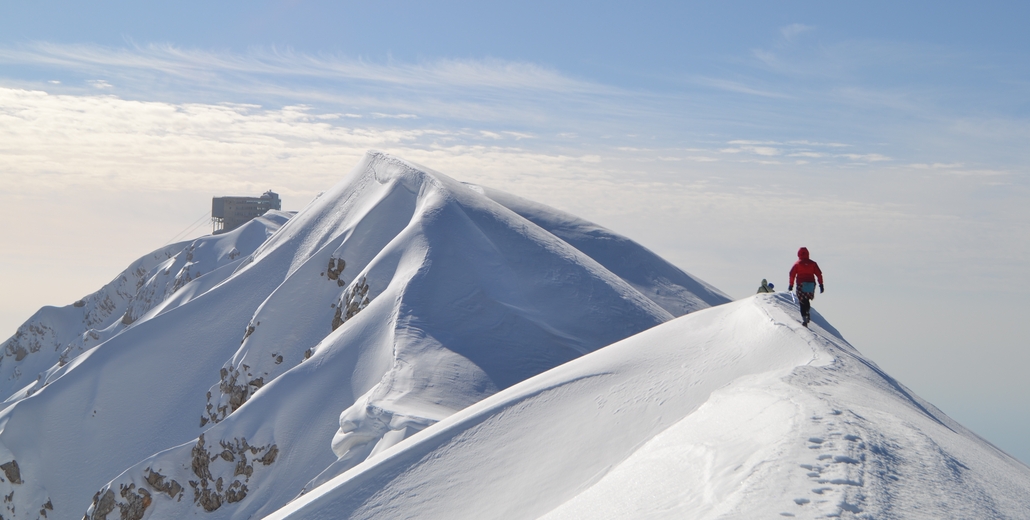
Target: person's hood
{"points": [[803, 253]]}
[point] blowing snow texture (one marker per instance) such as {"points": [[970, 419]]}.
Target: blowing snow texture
{"points": [[395, 299], [732, 412]]}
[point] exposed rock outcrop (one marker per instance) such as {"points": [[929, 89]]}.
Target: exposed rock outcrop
{"points": [[354, 299], [12, 471], [210, 492], [220, 474]]}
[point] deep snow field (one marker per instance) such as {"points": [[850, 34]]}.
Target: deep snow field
{"points": [[409, 346]]}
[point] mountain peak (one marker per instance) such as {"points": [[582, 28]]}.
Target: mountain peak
{"points": [[393, 300]]}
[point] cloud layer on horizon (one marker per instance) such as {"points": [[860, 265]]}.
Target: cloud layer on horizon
{"points": [[98, 142]]}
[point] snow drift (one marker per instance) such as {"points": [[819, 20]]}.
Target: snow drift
{"points": [[394, 300]]}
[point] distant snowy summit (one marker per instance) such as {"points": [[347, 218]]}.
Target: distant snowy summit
{"points": [[226, 376]]}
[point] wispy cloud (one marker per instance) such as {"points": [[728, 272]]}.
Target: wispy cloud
{"points": [[487, 100], [273, 61], [958, 169], [866, 157], [747, 142], [519, 135], [935, 166], [526, 98], [737, 87], [103, 142], [790, 32], [802, 149], [816, 143], [767, 151], [379, 115], [522, 95]]}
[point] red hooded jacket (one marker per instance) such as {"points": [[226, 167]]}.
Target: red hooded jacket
{"points": [[805, 270]]}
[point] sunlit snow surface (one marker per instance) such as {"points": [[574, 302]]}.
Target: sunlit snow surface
{"points": [[409, 346], [731, 412], [55, 335], [233, 374]]}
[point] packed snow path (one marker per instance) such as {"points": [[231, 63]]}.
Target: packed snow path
{"points": [[732, 412]]}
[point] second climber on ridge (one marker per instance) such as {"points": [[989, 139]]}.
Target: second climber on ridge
{"points": [[766, 287], [804, 274]]}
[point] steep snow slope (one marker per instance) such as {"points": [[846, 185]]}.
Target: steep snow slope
{"points": [[395, 299], [55, 335], [732, 412], [47, 442], [662, 282]]}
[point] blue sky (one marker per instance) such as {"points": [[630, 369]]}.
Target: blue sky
{"points": [[890, 138], [876, 74]]}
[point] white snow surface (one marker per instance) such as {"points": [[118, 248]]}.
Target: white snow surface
{"points": [[56, 335], [228, 375], [732, 412]]}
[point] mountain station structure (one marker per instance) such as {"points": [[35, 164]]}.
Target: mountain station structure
{"points": [[229, 213]]}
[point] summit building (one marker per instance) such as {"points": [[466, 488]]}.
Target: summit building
{"points": [[229, 213]]}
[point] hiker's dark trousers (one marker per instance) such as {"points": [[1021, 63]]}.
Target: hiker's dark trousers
{"points": [[804, 298]]}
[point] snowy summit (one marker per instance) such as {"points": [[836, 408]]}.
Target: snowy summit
{"points": [[409, 346]]}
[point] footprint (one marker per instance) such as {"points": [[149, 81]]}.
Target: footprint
{"points": [[845, 482], [801, 501], [851, 508]]}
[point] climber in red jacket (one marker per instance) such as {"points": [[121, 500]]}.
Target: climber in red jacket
{"points": [[805, 272]]}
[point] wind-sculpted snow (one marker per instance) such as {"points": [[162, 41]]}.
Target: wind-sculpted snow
{"points": [[394, 300], [732, 412], [662, 282]]}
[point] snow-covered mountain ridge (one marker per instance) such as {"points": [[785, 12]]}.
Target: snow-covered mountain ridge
{"points": [[56, 335], [394, 300], [732, 412]]}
